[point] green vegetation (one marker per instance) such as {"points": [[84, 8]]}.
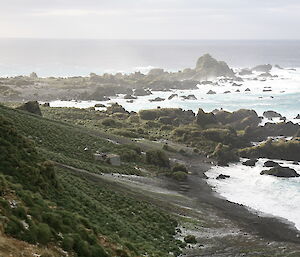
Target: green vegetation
{"points": [[158, 158], [281, 149], [52, 206]]}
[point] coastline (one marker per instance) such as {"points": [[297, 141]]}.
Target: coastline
{"points": [[273, 228]]}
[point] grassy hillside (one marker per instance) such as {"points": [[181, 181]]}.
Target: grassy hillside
{"points": [[51, 207]]}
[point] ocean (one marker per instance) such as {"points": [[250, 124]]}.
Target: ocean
{"points": [[58, 57]]}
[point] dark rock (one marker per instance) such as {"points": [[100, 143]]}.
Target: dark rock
{"points": [[227, 92], [207, 67], [46, 104], [237, 91], [239, 119], [189, 97], [210, 92], [129, 101], [250, 162], [262, 68], [203, 119], [32, 107], [271, 114], [157, 99], [296, 163], [130, 97], [99, 105], [247, 90], [236, 85], [206, 82], [270, 164], [297, 117], [279, 171], [172, 96], [222, 176]]}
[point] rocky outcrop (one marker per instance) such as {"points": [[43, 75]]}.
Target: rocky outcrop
{"points": [[189, 97], [247, 90], [222, 176], [262, 68], [271, 114], [157, 99], [203, 119], [270, 164], [210, 92], [265, 75], [32, 107], [239, 119], [280, 149], [297, 117], [99, 105], [250, 162], [128, 96], [172, 96], [208, 67], [282, 172]]}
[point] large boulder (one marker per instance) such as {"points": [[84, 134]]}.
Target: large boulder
{"points": [[271, 114], [250, 162], [208, 67], [222, 176], [282, 172], [271, 164], [32, 107]]}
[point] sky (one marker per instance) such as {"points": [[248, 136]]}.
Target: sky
{"points": [[150, 19]]}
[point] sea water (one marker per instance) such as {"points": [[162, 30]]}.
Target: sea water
{"points": [[265, 194], [59, 57]]}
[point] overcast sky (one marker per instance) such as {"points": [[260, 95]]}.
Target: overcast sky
{"points": [[151, 19]]}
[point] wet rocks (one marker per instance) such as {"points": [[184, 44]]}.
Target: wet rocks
{"points": [[271, 164], [211, 92], [128, 96], [189, 97], [172, 96], [250, 162], [282, 172], [99, 105], [222, 176], [157, 99]]}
